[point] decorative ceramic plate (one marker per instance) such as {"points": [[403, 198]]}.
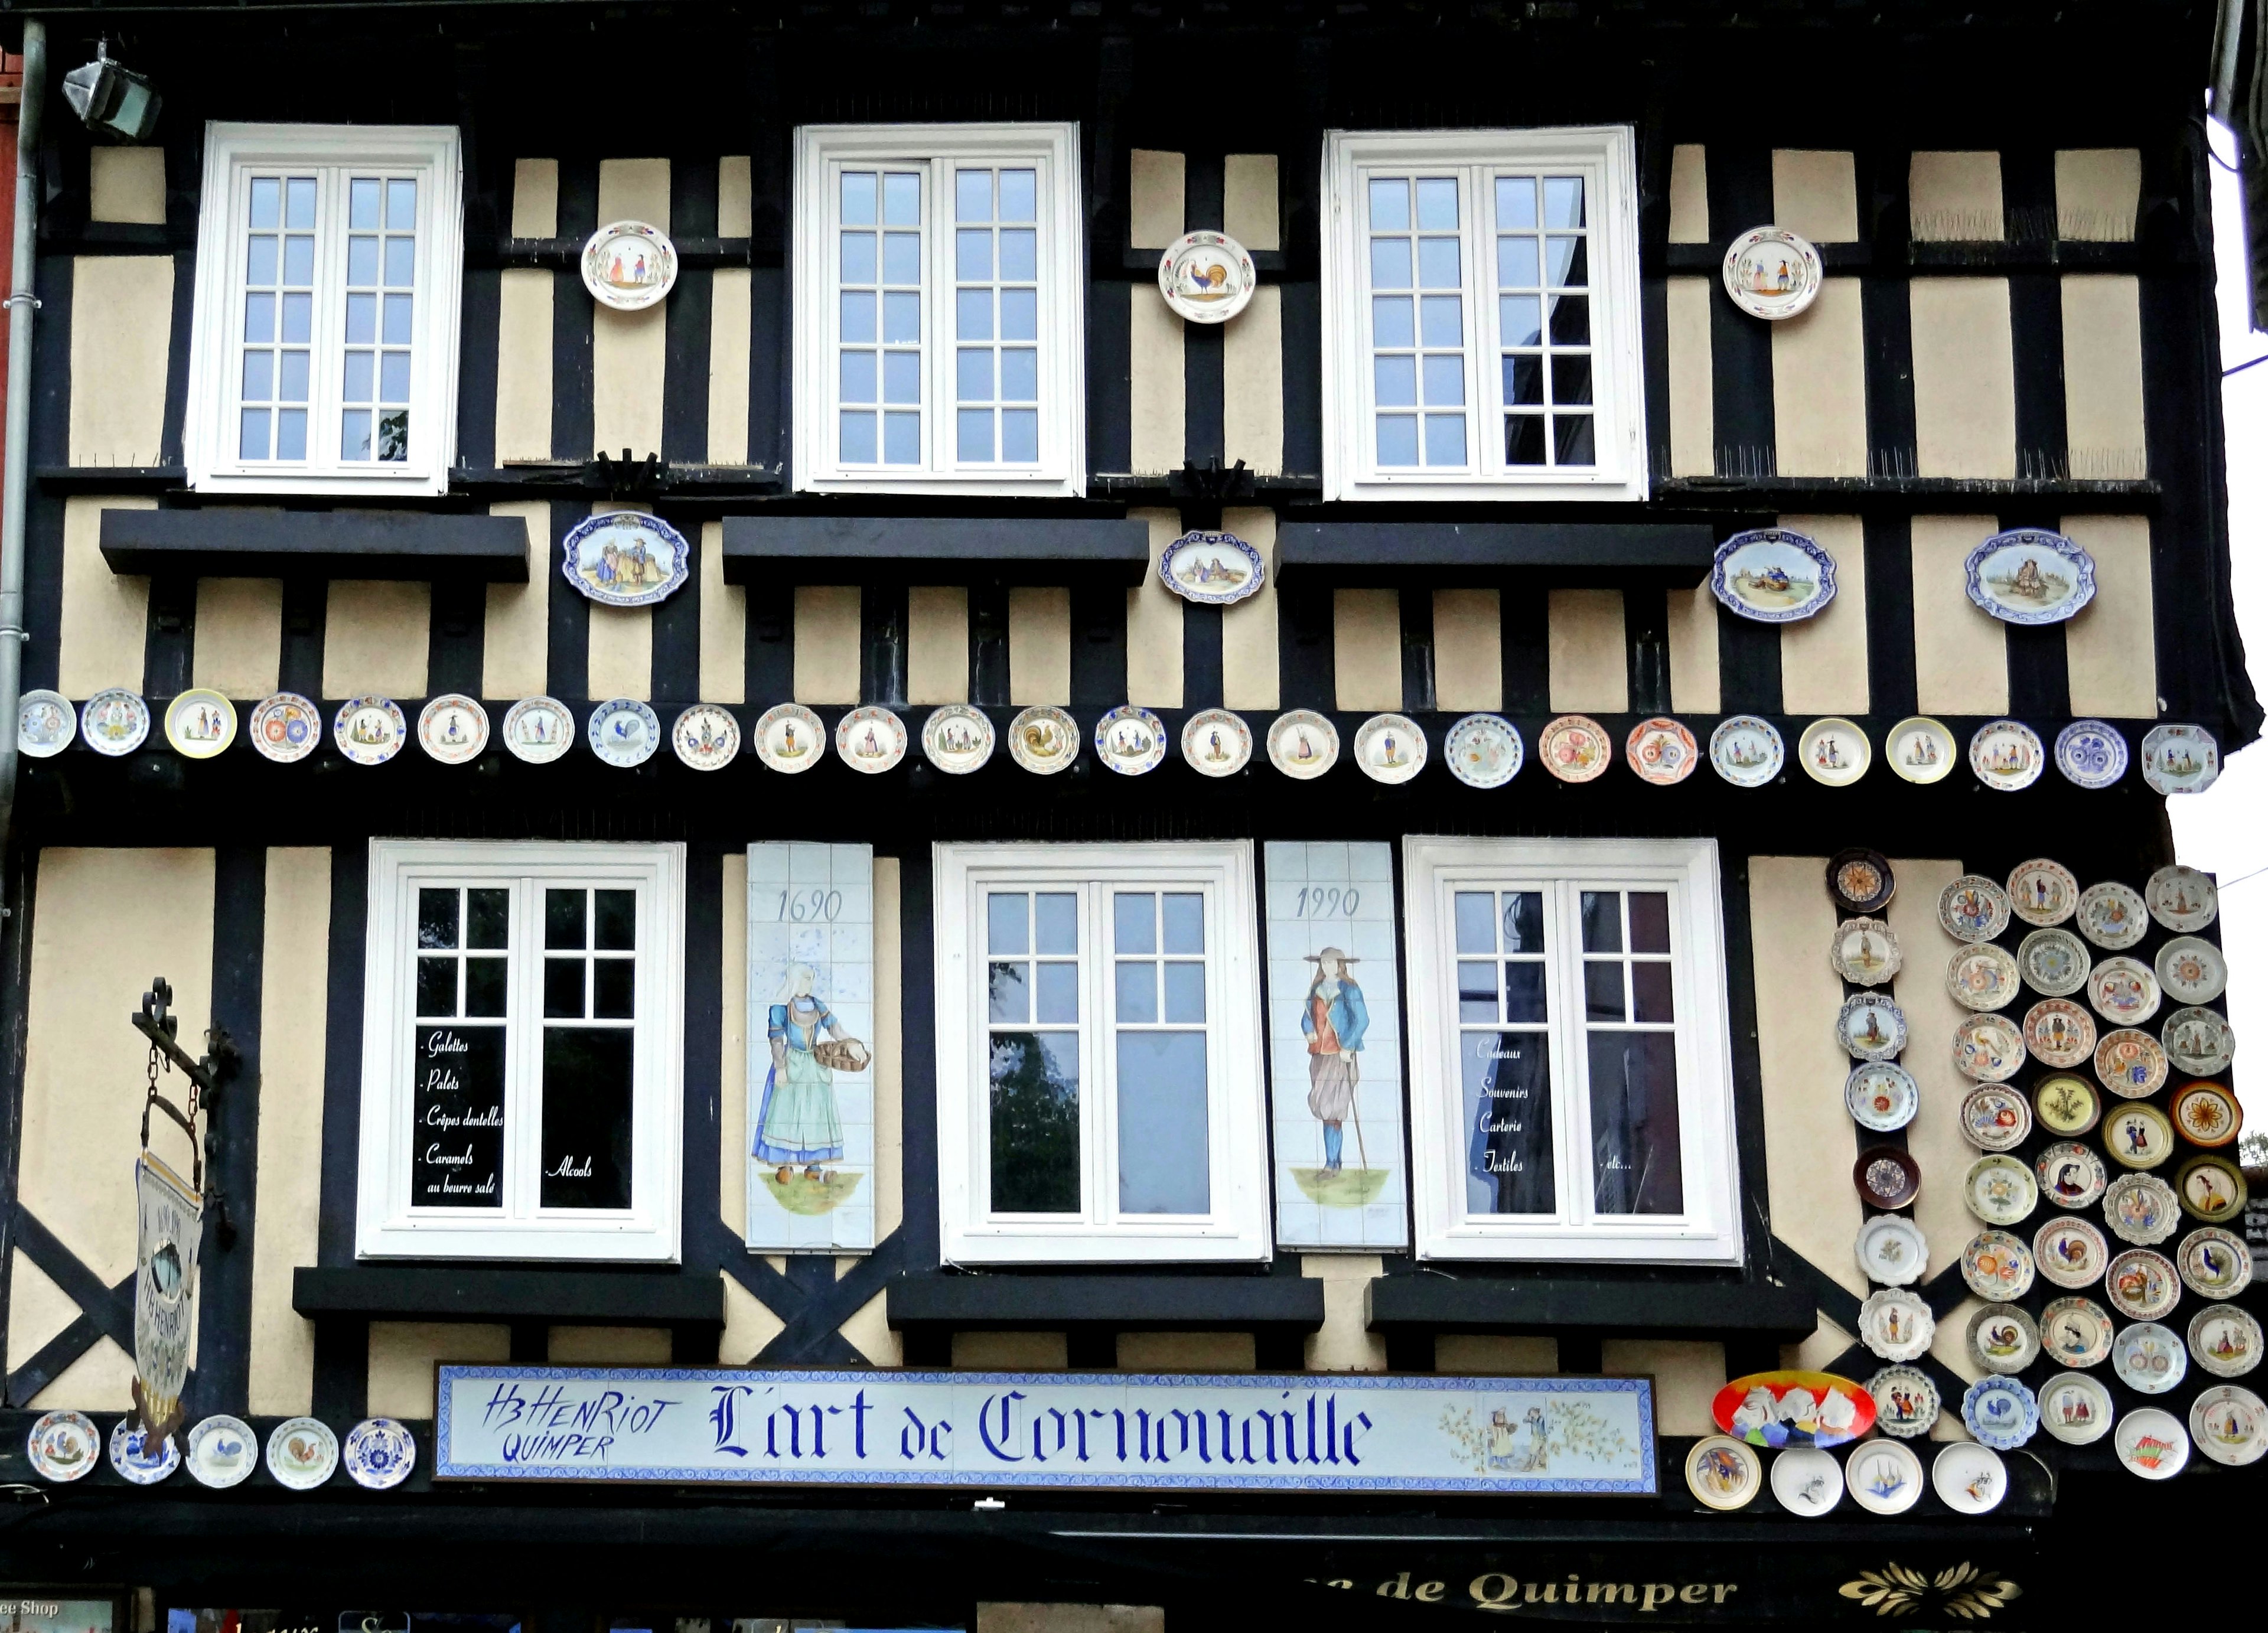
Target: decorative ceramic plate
{"points": [[1833, 751], [1211, 568], [2066, 1106], [1747, 750], [1999, 1411], [2000, 1190], [370, 731], [2148, 1359], [1773, 575], [223, 1451], [115, 722], [2138, 1135], [1887, 1177], [2211, 1190], [2182, 899], [1773, 1408], [1302, 744], [1484, 751], [2199, 1041], [1860, 880], [200, 723], [625, 558], [2179, 758], [2002, 1339], [1214, 742], [63, 1446], [2143, 1285], [453, 729], [873, 739], [2071, 1252], [1996, 1117], [539, 730], [2124, 991], [2129, 1063], [1905, 1400], [302, 1453], [1809, 1483], [1892, 1250], [628, 265], [2152, 1444], [2058, 1032], [45, 723], [2214, 1263], [1662, 751], [2206, 1114], [2141, 1209], [2225, 1340], [1206, 276], [1574, 748], [958, 737], [2006, 754], [1982, 976], [136, 1462], [1973, 908], [1871, 1025], [625, 732], [789, 738], [2076, 1332], [706, 737], [1885, 1476], [1881, 1095], [379, 1454], [1773, 273], [2056, 962], [1865, 953], [1921, 750], [1724, 1474], [1044, 739], [1389, 748], [2112, 916], [2041, 892], [1996, 1266], [2091, 753], [2070, 1174], [2075, 1408], [2191, 970], [2229, 1424], [2031, 576], [284, 728], [1988, 1048], [1895, 1323], [1968, 1478]]}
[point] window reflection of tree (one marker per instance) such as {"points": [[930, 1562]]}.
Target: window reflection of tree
{"points": [[1035, 1133]]}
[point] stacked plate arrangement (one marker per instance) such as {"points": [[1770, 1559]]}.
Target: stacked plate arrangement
{"points": [[300, 1454]]}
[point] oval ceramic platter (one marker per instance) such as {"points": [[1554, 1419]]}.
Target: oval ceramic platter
{"points": [[1211, 568], [1791, 1407], [2031, 576], [1773, 575], [625, 558], [630, 265], [1206, 276]]}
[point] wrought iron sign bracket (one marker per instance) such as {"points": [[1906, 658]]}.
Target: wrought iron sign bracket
{"points": [[206, 1073]]}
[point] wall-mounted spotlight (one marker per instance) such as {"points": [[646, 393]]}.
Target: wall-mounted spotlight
{"points": [[111, 101]]}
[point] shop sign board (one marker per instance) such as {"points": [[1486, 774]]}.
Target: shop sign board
{"points": [[1014, 1430]]}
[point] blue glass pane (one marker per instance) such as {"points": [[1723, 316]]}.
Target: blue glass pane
{"points": [[1020, 435], [1437, 203], [1008, 992], [1515, 200], [1566, 263], [857, 439], [258, 376], [1443, 317], [291, 434], [1524, 995], [1475, 922], [401, 262], [1163, 1149], [1444, 382], [259, 259], [1445, 439], [260, 317], [1019, 314], [902, 200], [1020, 195], [362, 319], [902, 440], [1390, 263], [1020, 256], [362, 259], [398, 311], [291, 384], [901, 376], [1476, 992], [1056, 914], [298, 260], [973, 378], [1438, 261], [856, 318], [902, 319], [972, 314], [901, 258], [362, 202], [1389, 205], [400, 204], [1019, 375], [1133, 923], [267, 201], [1137, 992], [1635, 1160], [1520, 318], [858, 377], [973, 437], [1185, 995], [973, 254], [1391, 322], [1562, 201], [357, 386], [252, 437], [1571, 320], [858, 198], [1515, 263], [1058, 994], [972, 195], [298, 317], [1523, 380], [300, 201], [1006, 928], [394, 377], [1397, 440], [856, 257], [354, 434], [1394, 380]]}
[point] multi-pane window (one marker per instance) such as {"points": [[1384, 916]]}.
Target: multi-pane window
{"points": [[1579, 1102], [1417, 321], [1543, 320], [878, 333], [380, 317], [279, 318], [996, 315]]}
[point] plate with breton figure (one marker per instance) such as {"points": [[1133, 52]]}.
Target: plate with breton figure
{"points": [[1865, 953], [2182, 899], [1835, 751], [2229, 1424], [2054, 961], [2058, 1032], [2041, 892], [2075, 1408], [1921, 750], [2210, 1189], [1747, 751], [1973, 908], [2224, 1338], [2076, 1331], [2199, 1041], [2143, 1285], [1217, 743], [1871, 1025], [2138, 1135], [2007, 756], [1906, 1401], [2031, 576], [2070, 1174], [2179, 758]]}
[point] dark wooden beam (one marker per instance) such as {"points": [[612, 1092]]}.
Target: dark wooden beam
{"points": [[515, 1293], [1700, 1309], [895, 550], [228, 542], [1386, 553], [1187, 1303]]}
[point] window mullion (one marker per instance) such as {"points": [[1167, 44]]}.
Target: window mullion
{"points": [[938, 455], [1571, 1113], [524, 1043], [1099, 1111], [1486, 390], [325, 383]]}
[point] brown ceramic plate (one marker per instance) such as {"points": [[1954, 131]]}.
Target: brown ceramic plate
{"points": [[1887, 1177]]}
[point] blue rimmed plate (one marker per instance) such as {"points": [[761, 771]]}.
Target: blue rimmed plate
{"points": [[2091, 753], [2031, 576], [1773, 575]]}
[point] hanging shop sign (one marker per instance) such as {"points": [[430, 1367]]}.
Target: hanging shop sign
{"points": [[1207, 277], [1592, 1436], [628, 265], [625, 558]]}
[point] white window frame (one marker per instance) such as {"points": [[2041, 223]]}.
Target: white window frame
{"points": [[1238, 1227], [1709, 1231], [386, 1226], [819, 152], [1605, 157], [209, 434]]}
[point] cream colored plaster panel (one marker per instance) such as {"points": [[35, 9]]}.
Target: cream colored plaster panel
{"points": [[997, 1351], [2102, 378], [37, 1310], [535, 198], [1484, 1353], [1157, 402], [749, 1324], [869, 1332], [1249, 674], [238, 643], [376, 633], [1815, 194], [735, 198], [1186, 1352], [1822, 659], [1016, 1618], [2098, 193], [294, 1006], [827, 643], [107, 920], [516, 630], [1818, 385], [1693, 658], [1934, 1136], [1343, 1344], [1468, 649], [100, 1381], [621, 652], [523, 405], [119, 350], [889, 1053], [1951, 1347], [403, 1354], [1807, 1142], [732, 1045], [1686, 1378], [1692, 385], [1156, 183], [729, 296], [105, 617], [2111, 647], [1689, 194], [1039, 645], [1366, 647], [1964, 377], [635, 189], [1955, 196], [1590, 663], [629, 360], [1154, 622], [609, 1346], [126, 184], [1961, 653], [1248, 203], [1252, 384], [937, 643], [723, 624]]}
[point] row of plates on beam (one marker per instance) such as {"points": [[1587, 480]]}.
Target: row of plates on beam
{"points": [[1482, 750], [221, 1450]]}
